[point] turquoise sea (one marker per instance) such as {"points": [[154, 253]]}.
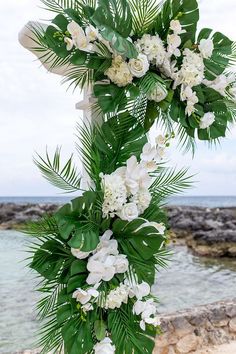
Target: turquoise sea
{"points": [[203, 201]]}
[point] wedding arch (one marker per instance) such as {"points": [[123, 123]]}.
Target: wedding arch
{"points": [[139, 63]]}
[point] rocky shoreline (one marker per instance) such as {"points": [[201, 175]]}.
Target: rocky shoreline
{"points": [[196, 330], [207, 231]]}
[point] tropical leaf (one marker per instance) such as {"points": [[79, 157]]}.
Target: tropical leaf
{"points": [[65, 177], [143, 14], [113, 18], [170, 182], [186, 11]]}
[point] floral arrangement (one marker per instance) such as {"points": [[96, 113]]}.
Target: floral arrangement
{"points": [[98, 255]]}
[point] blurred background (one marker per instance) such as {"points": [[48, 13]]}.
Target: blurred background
{"points": [[37, 111]]}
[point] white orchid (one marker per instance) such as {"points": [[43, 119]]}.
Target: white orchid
{"points": [[79, 37], [139, 290], [206, 47], [207, 120], [84, 296], [91, 33], [148, 311], [117, 296], [176, 27], [69, 43], [173, 41]]}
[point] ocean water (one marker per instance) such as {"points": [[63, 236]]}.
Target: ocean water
{"points": [[188, 281], [202, 201]]}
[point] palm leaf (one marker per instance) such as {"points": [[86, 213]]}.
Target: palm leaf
{"points": [[65, 177], [170, 182], [143, 14], [79, 76]]}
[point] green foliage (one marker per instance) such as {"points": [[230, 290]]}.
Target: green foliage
{"points": [[65, 177], [113, 18], [186, 11], [126, 333], [143, 14]]}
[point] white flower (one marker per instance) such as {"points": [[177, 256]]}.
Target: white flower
{"points": [[106, 260], [91, 33], [79, 254], [115, 193], [152, 47], [136, 176], [160, 140], [207, 120], [142, 199], [188, 95], [176, 27], [87, 307], [138, 67], [161, 152], [140, 290], [129, 212], [174, 41], [79, 38], [220, 83], [192, 70], [84, 296], [117, 296], [148, 311], [119, 72], [104, 347], [158, 94], [206, 48], [69, 43], [149, 153]]}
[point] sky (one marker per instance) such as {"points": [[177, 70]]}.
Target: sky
{"points": [[37, 111]]}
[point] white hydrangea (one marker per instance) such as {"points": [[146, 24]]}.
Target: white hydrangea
{"points": [[173, 41], [119, 72], [139, 66], [192, 70], [206, 47], [115, 193], [104, 347], [106, 261], [148, 311], [207, 120], [142, 199], [152, 47]]}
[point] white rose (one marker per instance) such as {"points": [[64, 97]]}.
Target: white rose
{"points": [[104, 347], [129, 212], [207, 120], [206, 47], [138, 67], [79, 254]]}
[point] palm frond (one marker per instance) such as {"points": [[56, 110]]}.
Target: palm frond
{"points": [[65, 177], [79, 76], [58, 6], [143, 14], [170, 182]]}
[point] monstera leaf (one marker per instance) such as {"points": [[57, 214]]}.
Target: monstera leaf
{"points": [[186, 11], [221, 56], [114, 20]]}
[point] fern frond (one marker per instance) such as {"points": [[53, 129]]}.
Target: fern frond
{"points": [[65, 178]]}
